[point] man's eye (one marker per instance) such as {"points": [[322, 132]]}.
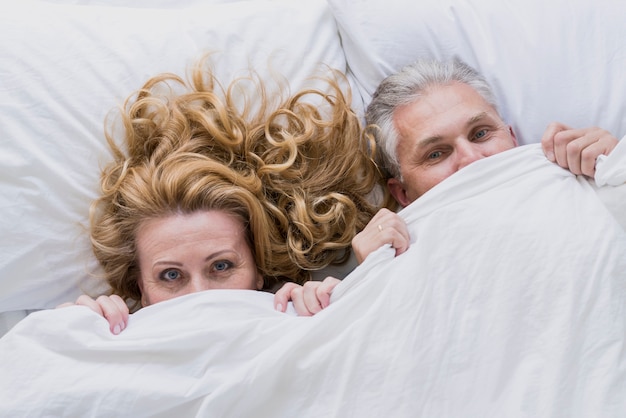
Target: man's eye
{"points": [[434, 155], [480, 134], [170, 275], [222, 265]]}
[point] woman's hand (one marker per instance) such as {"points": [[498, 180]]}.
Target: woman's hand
{"points": [[386, 227], [112, 308], [576, 149], [308, 299]]}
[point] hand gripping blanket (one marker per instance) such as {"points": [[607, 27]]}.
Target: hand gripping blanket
{"points": [[510, 302]]}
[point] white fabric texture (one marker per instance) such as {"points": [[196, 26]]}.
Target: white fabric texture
{"points": [[612, 171], [510, 302], [66, 66]]}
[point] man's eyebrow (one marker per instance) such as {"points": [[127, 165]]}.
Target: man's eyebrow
{"points": [[427, 141], [477, 118]]}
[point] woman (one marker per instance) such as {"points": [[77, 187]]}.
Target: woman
{"points": [[287, 185]]}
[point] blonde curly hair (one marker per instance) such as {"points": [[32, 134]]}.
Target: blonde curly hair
{"points": [[299, 174]]}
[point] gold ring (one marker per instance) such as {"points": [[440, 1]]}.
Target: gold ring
{"points": [[380, 228]]}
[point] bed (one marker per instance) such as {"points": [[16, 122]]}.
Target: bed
{"points": [[408, 345]]}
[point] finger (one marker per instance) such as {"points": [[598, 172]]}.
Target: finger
{"points": [[381, 214], [311, 300], [122, 309], [283, 296], [368, 242], [325, 290], [297, 299], [111, 311], [562, 140], [400, 238], [401, 244], [394, 221], [576, 150], [590, 154], [582, 147], [547, 140], [395, 233], [386, 227], [87, 301], [385, 218]]}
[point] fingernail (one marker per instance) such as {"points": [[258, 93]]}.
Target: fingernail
{"points": [[550, 155], [279, 307], [116, 330]]}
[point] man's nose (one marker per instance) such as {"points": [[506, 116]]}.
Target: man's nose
{"points": [[467, 153]]}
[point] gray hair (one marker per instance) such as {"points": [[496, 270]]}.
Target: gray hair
{"points": [[405, 87]]}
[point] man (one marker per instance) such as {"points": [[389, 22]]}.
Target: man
{"points": [[432, 119], [429, 120]]}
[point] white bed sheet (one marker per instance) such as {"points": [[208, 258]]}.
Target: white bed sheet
{"points": [[510, 302]]}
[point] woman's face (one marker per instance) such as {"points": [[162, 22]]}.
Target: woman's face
{"points": [[186, 253]]}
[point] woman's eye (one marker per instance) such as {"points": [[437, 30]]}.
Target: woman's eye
{"points": [[170, 275], [222, 265]]}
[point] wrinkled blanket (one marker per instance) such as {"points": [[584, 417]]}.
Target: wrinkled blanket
{"points": [[510, 302]]}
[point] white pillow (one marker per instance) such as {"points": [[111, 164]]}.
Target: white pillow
{"points": [[560, 60], [64, 66]]}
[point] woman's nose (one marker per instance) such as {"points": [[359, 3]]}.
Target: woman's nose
{"points": [[198, 284]]}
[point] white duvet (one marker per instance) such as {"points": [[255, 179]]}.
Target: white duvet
{"points": [[509, 303]]}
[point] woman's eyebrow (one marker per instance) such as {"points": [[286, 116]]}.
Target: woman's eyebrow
{"points": [[219, 253], [166, 262]]}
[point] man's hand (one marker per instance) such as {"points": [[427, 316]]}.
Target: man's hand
{"points": [[576, 149]]}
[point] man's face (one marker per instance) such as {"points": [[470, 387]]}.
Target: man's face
{"points": [[443, 131]]}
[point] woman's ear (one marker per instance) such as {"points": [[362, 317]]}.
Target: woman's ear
{"points": [[260, 281]]}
